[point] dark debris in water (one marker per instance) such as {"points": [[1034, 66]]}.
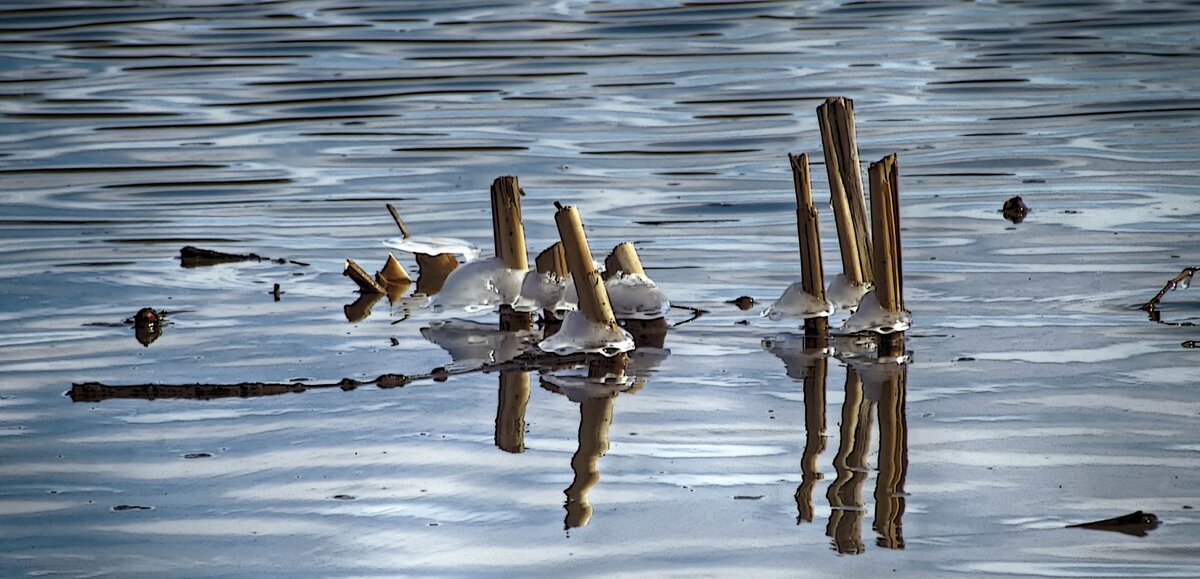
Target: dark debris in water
{"points": [[1015, 209], [132, 508], [344, 497], [191, 256], [1137, 523], [747, 497], [193, 455], [742, 303]]}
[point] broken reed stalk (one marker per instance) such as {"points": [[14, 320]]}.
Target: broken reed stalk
{"points": [[1184, 276], [366, 283], [552, 261], [839, 142], [399, 222], [392, 273], [593, 297], [508, 230], [812, 273], [885, 228], [624, 258]]}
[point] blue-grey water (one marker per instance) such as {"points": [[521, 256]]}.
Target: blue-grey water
{"points": [[1039, 395]]}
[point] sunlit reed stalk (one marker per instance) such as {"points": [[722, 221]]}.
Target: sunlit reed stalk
{"points": [[593, 297], [839, 143], [812, 272]]}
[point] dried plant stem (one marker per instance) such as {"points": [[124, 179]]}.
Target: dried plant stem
{"points": [[507, 228], [885, 228], [839, 142], [553, 261], [624, 258], [593, 297], [1171, 284], [365, 282], [399, 222], [812, 273]]}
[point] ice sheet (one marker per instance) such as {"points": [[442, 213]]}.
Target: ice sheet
{"points": [[871, 317], [434, 246]]}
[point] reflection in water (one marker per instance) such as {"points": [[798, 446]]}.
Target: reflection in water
{"points": [[873, 385], [361, 307], [510, 412]]}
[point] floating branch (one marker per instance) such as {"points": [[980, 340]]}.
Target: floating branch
{"points": [[839, 142], [366, 283]]}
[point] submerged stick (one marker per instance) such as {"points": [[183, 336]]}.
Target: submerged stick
{"points": [[399, 222], [365, 282], [839, 142], [623, 259], [593, 297], [508, 231]]}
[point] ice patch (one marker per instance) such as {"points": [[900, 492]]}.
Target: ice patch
{"points": [[477, 286], [579, 334], [845, 294], [871, 317], [434, 246], [471, 344], [795, 303], [636, 297], [541, 291]]}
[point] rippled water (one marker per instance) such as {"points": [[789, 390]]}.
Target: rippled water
{"points": [[1040, 395]]}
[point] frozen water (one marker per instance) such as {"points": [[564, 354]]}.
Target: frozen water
{"points": [[541, 291], [477, 286], [579, 334], [871, 317], [635, 297], [434, 246], [795, 303], [845, 294]]}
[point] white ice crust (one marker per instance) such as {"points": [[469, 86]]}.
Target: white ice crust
{"points": [[579, 334], [478, 286], [871, 317], [541, 291], [844, 294], [795, 303], [434, 246], [635, 296]]}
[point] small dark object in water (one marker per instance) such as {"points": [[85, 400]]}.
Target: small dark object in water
{"points": [[147, 325], [965, 359], [344, 497], [132, 508], [194, 455], [276, 293], [191, 256], [743, 303], [439, 374], [1191, 344], [747, 497], [1137, 523], [1015, 210]]}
